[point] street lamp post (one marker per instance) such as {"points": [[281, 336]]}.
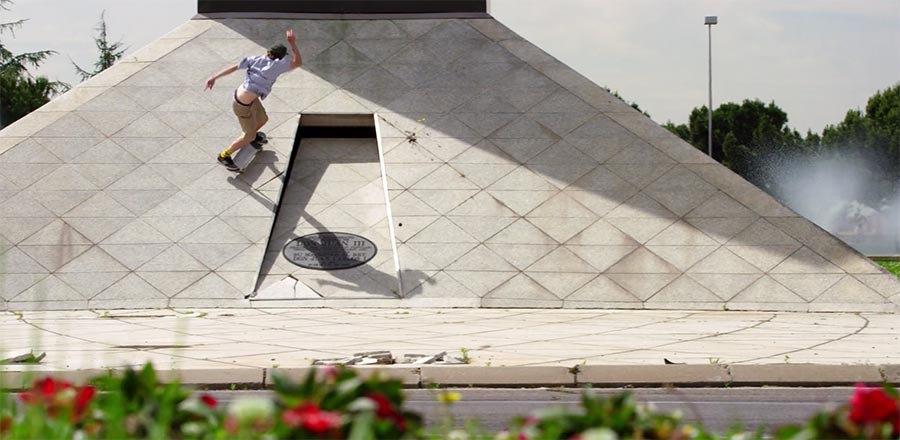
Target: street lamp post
{"points": [[709, 22]]}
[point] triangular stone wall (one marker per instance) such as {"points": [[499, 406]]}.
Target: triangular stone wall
{"points": [[519, 183]]}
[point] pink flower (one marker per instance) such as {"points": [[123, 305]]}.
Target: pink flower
{"points": [[331, 372], [231, 424], [873, 405]]}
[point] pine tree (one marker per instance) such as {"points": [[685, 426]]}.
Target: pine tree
{"points": [[109, 52], [20, 92]]}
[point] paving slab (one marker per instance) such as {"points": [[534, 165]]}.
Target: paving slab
{"points": [[503, 347]]}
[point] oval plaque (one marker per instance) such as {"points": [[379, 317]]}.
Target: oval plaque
{"points": [[330, 251]]}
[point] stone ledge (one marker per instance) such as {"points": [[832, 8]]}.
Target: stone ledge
{"points": [[23, 376], [215, 376], [890, 373], [496, 376], [416, 376], [409, 374], [648, 375], [805, 374]]}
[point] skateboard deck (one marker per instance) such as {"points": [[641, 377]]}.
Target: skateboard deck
{"points": [[244, 157]]}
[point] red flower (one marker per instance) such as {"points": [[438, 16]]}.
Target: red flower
{"points": [[311, 418], [384, 409], [28, 397], [82, 398], [209, 401], [872, 405], [44, 391], [49, 387]]}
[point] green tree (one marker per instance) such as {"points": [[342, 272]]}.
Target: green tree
{"points": [[109, 52], [680, 130], [748, 137], [871, 137], [20, 92], [633, 105], [883, 114]]}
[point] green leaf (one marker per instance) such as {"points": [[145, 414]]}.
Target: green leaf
{"points": [[284, 386], [148, 377], [130, 384], [362, 427]]}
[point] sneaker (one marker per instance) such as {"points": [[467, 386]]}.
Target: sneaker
{"points": [[228, 163], [259, 141]]}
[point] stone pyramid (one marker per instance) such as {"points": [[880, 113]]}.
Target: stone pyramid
{"points": [[500, 177]]}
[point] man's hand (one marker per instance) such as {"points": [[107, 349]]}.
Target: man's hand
{"points": [[296, 61], [210, 83]]}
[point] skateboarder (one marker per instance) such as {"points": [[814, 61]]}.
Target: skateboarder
{"points": [[262, 71]]}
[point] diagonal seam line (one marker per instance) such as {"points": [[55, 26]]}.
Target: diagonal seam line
{"points": [[854, 333], [654, 347]]}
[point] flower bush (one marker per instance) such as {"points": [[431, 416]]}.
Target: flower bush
{"points": [[333, 404], [872, 413], [336, 403], [603, 418], [135, 405]]}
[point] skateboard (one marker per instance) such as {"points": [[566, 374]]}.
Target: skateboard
{"points": [[244, 157]]}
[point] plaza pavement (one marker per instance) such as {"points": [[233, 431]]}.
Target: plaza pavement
{"points": [[505, 347]]}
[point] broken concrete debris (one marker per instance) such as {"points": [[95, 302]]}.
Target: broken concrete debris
{"points": [[383, 357]]}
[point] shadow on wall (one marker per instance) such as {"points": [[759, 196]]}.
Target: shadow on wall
{"points": [[301, 207]]}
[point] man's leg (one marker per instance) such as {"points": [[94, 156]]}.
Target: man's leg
{"points": [[261, 117], [248, 124], [240, 142], [251, 118], [258, 118]]}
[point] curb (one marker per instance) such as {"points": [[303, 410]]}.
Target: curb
{"points": [[597, 376]]}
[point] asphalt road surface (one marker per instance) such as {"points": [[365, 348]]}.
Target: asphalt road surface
{"points": [[716, 408]]}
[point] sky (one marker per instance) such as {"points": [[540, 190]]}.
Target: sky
{"points": [[815, 59]]}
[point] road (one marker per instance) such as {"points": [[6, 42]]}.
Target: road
{"points": [[717, 408]]}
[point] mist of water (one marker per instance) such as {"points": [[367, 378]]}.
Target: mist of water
{"points": [[840, 195]]}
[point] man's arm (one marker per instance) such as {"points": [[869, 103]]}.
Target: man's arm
{"points": [[296, 60], [227, 71]]}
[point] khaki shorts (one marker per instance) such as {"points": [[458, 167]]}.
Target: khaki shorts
{"points": [[249, 116]]}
